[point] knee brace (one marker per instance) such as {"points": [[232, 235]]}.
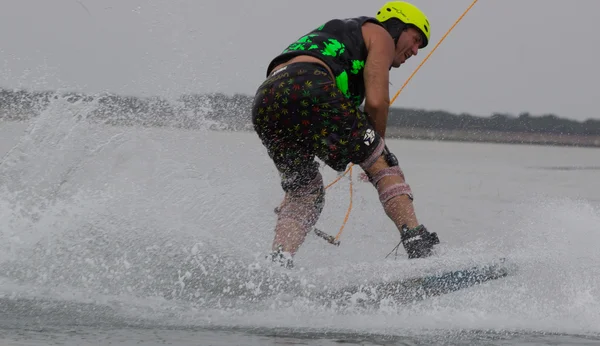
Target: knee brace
{"points": [[392, 190], [305, 204], [393, 170]]}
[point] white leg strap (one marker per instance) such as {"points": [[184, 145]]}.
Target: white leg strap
{"points": [[395, 190], [386, 172]]}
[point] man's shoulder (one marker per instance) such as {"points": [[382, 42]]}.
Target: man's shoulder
{"points": [[360, 20], [372, 30]]}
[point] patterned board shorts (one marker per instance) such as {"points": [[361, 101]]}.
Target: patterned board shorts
{"points": [[299, 113]]}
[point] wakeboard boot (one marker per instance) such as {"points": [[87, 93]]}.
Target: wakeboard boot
{"points": [[418, 242]]}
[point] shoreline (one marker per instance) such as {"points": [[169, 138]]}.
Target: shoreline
{"points": [[498, 137]]}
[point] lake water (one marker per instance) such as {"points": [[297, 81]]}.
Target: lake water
{"points": [[128, 236]]}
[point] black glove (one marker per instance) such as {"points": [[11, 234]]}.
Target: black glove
{"points": [[418, 242]]}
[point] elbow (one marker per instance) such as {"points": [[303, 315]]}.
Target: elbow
{"points": [[378, 105]]}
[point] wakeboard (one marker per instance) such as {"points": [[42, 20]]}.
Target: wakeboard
{"points": [[414, 289]]}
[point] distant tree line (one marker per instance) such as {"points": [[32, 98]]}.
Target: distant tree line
{"points": [[524, 123], [225, 112]]}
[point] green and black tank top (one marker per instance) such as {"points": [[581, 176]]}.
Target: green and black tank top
{"points": [[340, 44]]}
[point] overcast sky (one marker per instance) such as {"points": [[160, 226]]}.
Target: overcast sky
{"points": [[539, 56]]}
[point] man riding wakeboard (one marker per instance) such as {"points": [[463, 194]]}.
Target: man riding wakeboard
{"points": [[308, 107]]}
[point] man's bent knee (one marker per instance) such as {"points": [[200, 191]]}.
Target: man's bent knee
{"points": [[374, 156], [384, 165]]}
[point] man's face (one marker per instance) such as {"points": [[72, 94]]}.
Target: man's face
{"points": [[408, 45]]}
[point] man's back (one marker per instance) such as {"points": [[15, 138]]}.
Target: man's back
{"points": [[339, 43]]}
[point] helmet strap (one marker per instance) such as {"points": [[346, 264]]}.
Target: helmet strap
{"points": [[395, 27]]}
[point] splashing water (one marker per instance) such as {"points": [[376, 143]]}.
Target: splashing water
{"points": [[172, 224]]}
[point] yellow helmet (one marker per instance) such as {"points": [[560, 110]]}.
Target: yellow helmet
{"points": [[408, 14]]}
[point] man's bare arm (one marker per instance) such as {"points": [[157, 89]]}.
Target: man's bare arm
{"points": [[380, 46]]}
